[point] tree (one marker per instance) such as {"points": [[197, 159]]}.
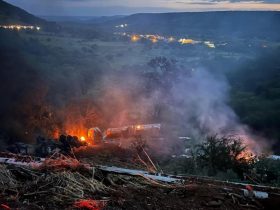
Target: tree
{"points": [[222, 154], [163, 75], [268, 170]]}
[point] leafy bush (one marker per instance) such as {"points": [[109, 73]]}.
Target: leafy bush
{"points": [[223, 154], [268, 170]]}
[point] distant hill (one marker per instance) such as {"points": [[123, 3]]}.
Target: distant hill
{"points": [[83, 19], [225, 23], [10, 14]]}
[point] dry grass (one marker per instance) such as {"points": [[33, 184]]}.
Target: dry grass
{"points": [[57, 184], [63, 187], [7, 179]]}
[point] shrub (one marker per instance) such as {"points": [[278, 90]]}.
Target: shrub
{"points": [[222, 154]]}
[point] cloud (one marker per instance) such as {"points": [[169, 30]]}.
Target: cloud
{"points": [[125, 7], [211, 2], [248, 1]]}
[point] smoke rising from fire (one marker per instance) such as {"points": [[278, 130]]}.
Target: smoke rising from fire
{"points": [[187, 102], [191, 103], [204, 108]]}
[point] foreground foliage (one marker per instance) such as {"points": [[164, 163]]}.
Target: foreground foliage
{"points": [[222, 154]]}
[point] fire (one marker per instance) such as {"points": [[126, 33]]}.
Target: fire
{"points": [[138, 127], [246, 155], [76, 131]]}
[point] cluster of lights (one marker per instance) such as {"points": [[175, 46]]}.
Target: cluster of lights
{"points": [[135, 38], [121, 26], [171, 39], [20, 27], [209, 44], [186, 41], [150, 37]]}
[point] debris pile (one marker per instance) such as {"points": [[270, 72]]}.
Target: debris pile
{"points": [[60, 162], [61, 184], [62, 188], [65, 182]]}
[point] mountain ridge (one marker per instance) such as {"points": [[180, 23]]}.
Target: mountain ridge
{"points": [[10, 14], [247, 23]]}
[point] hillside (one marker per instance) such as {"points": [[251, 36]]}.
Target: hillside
{"points": [[10, 14], [227, 23]]}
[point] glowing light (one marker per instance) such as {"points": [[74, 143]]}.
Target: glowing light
{"points": [[154, 40], [20, 27], [135, 38], [171, 39], [186, 41], [83, 138], [246, 155], [121, 26], [210, 44]]}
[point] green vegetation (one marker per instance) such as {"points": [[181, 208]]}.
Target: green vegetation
{"points": [[71, 62], [205, 24], [223, 154], [83, 75], [63, 61], [256, 94], [225, 158], [268, 171]]}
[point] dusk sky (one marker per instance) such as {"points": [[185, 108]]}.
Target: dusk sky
{"points": [[123, 7]]}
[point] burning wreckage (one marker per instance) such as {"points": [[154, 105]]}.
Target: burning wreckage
{"points": [[62, 179], [65, 143]]}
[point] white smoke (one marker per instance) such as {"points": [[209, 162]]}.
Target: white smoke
{"points": [[196, 105], [205, 109]]}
